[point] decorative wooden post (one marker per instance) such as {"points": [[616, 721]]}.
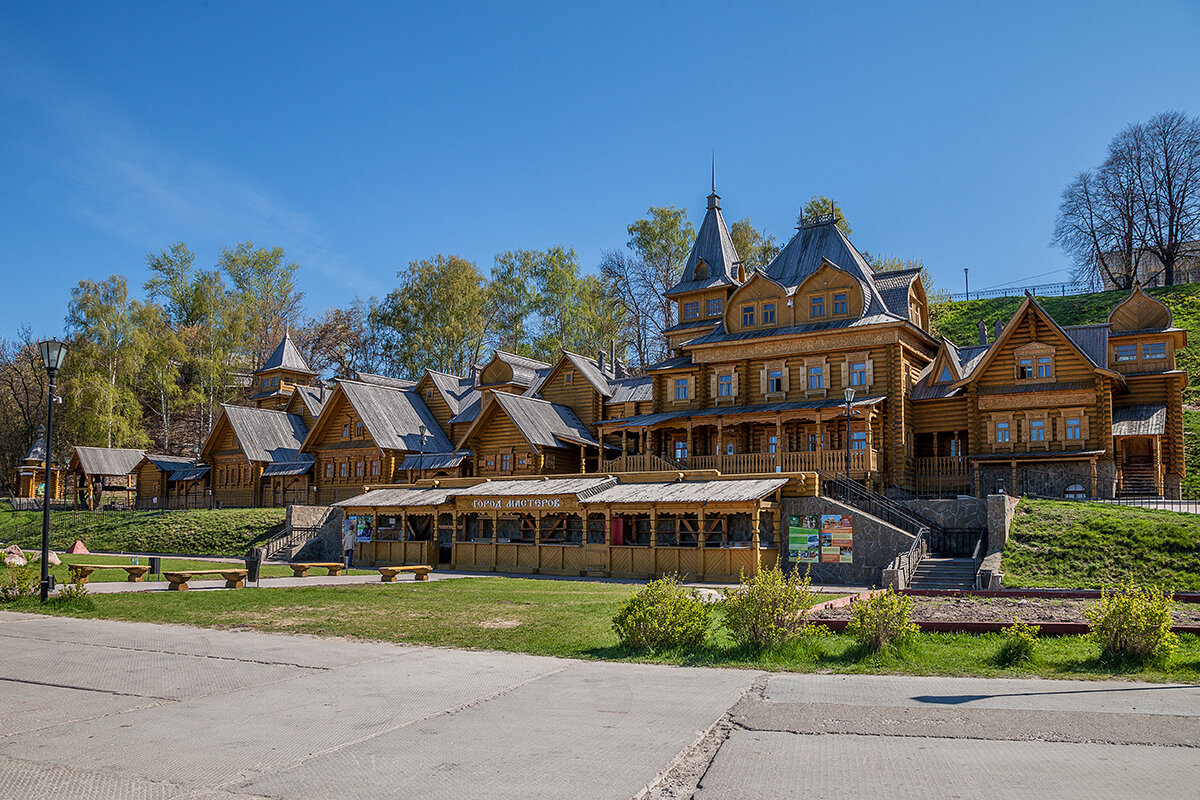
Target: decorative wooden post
{"points": [[653, 540], [582, 460], [690, 451], [778, 440], [1092, 464], [720, 445]]}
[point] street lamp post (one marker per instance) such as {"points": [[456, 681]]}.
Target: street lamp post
{"points": [[421, 458], [53, 353], [849, 395]]}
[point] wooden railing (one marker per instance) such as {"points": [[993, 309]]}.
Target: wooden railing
{"points": [[639, 463], [861, 461], [946, 466]]}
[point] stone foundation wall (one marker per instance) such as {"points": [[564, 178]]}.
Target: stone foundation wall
{"points": [[966, 513], [1048, 480], [876, 543], [326, 545]]}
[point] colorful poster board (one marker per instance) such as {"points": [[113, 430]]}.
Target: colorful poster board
{"points": [[804, 539], [837, 539]]}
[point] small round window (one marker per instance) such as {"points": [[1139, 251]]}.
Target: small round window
{"points": [[1075, 492]]}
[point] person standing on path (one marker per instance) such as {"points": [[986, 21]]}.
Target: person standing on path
{"points": [[348, 536]]}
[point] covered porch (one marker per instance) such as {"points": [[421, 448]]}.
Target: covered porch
{"points": [[1138, 434], [804, 436]]}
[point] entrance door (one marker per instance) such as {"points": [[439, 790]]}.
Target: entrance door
{"points": [[445, 545], [1138, 452]]}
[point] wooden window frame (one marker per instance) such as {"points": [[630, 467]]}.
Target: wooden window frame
{"points": [[749, 313], [1132, 358], [1033, 351], [769, 309], [690, 310], [815, 300], [845, 303], [764, 379], [713, 306]]}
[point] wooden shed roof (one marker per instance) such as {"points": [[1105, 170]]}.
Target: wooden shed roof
{"points": [[393, 416], [105, 460], [264, 434], [1147, 419], [286, 357], [731, 491]]}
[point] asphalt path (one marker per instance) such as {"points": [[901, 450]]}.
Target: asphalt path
{"points": [[133, 710]]}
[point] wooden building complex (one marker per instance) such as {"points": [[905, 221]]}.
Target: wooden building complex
{"points": [[30, 478], [629, 526]]}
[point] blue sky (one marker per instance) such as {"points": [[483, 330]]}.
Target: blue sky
{"points": [[362, 136]]}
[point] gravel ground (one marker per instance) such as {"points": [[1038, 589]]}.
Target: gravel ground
{"points": [[1001, 609]]}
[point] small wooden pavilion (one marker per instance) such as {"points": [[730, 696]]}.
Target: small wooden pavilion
{"points": [[104, 470]]}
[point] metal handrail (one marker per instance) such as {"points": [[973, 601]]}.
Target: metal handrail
{"points": [[878, 505]]}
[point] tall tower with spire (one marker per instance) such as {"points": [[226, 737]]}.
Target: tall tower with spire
{"points": [[712, 271], [284, 370]]}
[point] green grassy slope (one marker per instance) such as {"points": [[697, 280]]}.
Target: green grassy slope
{"points": [[1088, 545], [226, 532], [959, 321]]}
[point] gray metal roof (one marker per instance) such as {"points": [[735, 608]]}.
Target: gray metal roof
{"points": [[693, 323], [542, 423], [384, 380], [400, 497], [713, 246], [106, 460], [1148, 419], [538, 379], [266, 435], [582, 488], [812, 246], [434, 460], [453, 389], [765, 408], [37, 451], [171, 464], [468, 409], [191, 474], [690, 491], [392, 417], [302, 464], [1092, 340], [894, 288], [286, 356], [632, 390], [314, 398], [675, 362], [590, 369], [719, 335]]}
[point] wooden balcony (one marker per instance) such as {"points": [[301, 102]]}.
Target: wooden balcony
{"points": [[862, 462]]}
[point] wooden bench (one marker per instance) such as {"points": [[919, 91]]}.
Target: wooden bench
{"points": [[234, 578], [301, 570], [80, 572], [388, 574]]}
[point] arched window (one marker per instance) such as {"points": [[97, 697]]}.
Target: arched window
{"points": [[1075, 492]]}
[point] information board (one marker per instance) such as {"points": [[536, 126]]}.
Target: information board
{"points": [[837, 539], [804, 539]]}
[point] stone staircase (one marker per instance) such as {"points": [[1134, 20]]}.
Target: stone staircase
{"points": [[936, 572], [1137, 480]]}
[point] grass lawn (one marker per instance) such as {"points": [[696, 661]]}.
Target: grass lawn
{"points": [[168, 565], [225, 532], [572, 619], [1089, 545]]}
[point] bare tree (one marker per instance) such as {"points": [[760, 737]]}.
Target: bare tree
{"points": [[623, 272], [1169, 180], [1142, 203]]}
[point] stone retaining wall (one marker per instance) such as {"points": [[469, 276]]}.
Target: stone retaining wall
{"points": [[326, 545], [963, 513], [876, 543]]}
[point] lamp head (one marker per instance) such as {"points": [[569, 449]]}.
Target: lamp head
{"points": [[53, 353], [849, 394], [422, 429]]}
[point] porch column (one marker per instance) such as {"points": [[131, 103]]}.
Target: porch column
{"points": [[690, 451], [720, 445], [778, 440], [701, 533], [1158, 481], [537, 531], [624, 443], [978, 488], [404, 526], [1092, 464], [582, 460], [608, 526]]}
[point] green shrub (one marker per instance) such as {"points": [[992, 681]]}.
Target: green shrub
{"points": [[882, 620], [768, 610], [663, 615], [73, 591], [1133, 623], [1020, 640], [19, 582]]}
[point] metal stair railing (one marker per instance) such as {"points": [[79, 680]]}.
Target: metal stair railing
{"points": [[877, 505], [289, 538]]}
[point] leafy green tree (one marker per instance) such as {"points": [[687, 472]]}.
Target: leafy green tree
{"points": [[160, 378], [821, 207], [107, 354], [264, 283], [216, 348], [432, 319], [756, 248], [173, 283], [512, 300]]}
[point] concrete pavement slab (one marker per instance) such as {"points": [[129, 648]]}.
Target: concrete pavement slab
{"points": [[770, 765], [28, 707], [996, 693], [263, 648], [594, 730], [137, 673], [29, 780], [220, 738]]}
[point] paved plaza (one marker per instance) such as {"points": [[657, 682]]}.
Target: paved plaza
{"points": [[130, 710]]}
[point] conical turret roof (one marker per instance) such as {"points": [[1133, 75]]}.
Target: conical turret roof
{"points": [[714, 260], [286, 357]]}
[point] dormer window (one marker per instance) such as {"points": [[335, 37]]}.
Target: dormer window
{"points": [[712, 307], [1024, 369], [701, 270], [345, 430], [818, 307], [691, 310], [840, 306], [1127, 352], [1154, 350], [429, 394], [569, 378], [768, 314], [747, 316], [946, 376]]}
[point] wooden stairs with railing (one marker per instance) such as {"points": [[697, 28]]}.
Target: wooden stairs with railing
{"points": [[1138, 480]]}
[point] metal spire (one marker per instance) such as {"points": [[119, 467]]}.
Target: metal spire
{"points": [[714, 170]]}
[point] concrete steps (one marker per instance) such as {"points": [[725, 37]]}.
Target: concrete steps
{"points": [[944, 573]]}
